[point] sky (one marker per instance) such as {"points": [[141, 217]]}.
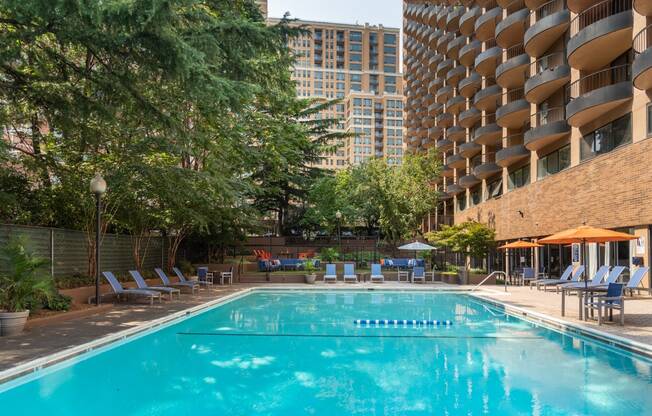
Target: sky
{"points": [[386, 12]]}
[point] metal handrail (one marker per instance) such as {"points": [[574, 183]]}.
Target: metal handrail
{"points": [[547, 62], [497, 272], [548, 8], [541, 118], [515, 6], [514, 95], [515, 51], [598, 12], [642, 40], [603, 78]]}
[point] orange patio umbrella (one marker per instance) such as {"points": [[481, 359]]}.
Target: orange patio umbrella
{"points": [[586, 234], [518, 245]]}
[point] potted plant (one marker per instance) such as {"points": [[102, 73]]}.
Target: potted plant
{"points": [[310, 270], [23, 283]]}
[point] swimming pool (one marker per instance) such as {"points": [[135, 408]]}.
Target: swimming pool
{"points": [[300, 352]]}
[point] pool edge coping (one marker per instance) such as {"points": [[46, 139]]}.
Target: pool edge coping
{"points": [[565, 327]]}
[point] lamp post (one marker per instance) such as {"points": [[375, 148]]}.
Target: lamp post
{"points": [[338, 215], [98, 187]]}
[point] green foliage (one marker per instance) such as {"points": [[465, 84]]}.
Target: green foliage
{"points": [[58, 302], [26, 279], [329, 254], [309, 267], [471, 238]]}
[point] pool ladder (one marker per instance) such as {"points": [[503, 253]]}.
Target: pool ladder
{"points": [[496, 273]]}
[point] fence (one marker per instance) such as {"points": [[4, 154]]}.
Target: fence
{"points": [[67, 250]]}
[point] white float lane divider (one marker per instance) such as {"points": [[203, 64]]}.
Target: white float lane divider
{"points": [[403, 322]]}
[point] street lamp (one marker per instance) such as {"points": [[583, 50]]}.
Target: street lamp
{"points": [[338, 215], [98, 187]]}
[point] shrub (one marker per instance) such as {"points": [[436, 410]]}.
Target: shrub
{"points": [[329, 254]]}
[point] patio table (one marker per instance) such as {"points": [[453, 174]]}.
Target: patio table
{"points": [[581, 292], [403, 273]]}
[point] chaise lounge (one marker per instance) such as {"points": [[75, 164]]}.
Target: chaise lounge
{"points": [[142, 284], [119, 290]]}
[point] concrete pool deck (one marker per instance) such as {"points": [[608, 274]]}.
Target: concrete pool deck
{"points": [[42, 340]]}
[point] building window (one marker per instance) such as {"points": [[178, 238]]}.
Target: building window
{"points": [[494, 189], [461, 202], [554, 162], [607, 138], [519, 177], [389, 38], [476, 192], [355, 36]]}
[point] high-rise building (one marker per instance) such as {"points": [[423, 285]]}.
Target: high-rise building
{"points": [[358, 64], [263, 7], [541, 111]]}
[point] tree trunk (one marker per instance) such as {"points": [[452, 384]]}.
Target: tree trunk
{"points": [[173, 247]]}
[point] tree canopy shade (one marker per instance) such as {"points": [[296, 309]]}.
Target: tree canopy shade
{"points": [[185, 106], [375, 194], [470, 238]]}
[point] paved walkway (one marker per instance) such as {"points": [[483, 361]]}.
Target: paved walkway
{"points": [[47, 339]]}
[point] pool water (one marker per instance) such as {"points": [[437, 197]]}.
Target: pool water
{"points": [[300, 353]]}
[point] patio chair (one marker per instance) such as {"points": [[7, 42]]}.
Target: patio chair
{"points": [[182, 278], [575, 278], [331, 273], [142, 284], [119, 290], [527, 275], [596, 281], [563, 279], [419, 273], [636, 279], [349, 273], [193, 286], [228, 275], [613, 299], [376, 274], [203, 275]]}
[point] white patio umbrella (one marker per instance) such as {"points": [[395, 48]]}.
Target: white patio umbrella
{"points": [[417, 246]]}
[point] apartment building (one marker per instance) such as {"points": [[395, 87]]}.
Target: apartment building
{"points": [[541, 111], [358, 64], [263, 7]]}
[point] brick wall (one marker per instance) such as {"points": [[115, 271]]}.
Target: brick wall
{"points": [[612, 190]]}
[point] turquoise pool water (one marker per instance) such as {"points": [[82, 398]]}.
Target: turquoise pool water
{"points": [[300, 353]]}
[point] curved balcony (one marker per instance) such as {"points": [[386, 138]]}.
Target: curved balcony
{"points": [[643, 7], [444, 67], [469, 118], [453, 47], [447, 171], [433, 110], [470, 85], [594, 95], [600, 34], [487, 99], [511, 155], [455, 189], [442, 15], [454, 76], [455, 104], [552, 20], [486, 170], [428, 122], [444, 196], [453, 18], [486, 61], [469, 149], [514, 113], [548, 75], [642, 66], [533, 4], [444, 145], [435, 132], [444, 94], [467, 21], [434, 60], [456, 134], [548, 126], [510, 30], [469, 52], [489, 135], [426, 143], [512, 72], [428, 99], [468, 181], [445, 120], [485, 24], [456, 161]]}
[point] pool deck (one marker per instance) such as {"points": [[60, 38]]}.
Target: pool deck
{"points": [[42, 340]]}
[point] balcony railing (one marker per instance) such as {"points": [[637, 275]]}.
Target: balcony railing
{"points": [[549, 8], [600, 79], [514, 95], [547, 62], [643, 40], [550, 115], [488, 119], [490, 44], [515, 6], [598, 12], [515, 51]]}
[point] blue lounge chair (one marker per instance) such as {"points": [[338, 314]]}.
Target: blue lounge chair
{"points": [[349, 273], [419, 273], [193, 286], [528, 275], [636, 279], [613, 299], [119, 290], [577, 275], [614, 275], [182, 277], [331, 273], [203, 275], [377, 274], [600, 275], [142, 284], [563, 279]]}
